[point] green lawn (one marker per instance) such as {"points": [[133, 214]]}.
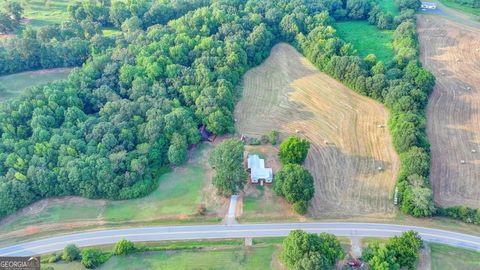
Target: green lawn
{"points": [[262, 204], [367, 39], [448, 257], [199, 254], [15, 83], [389, 6], [238, 258], [178, 193], [463, 8], [176, 198]]}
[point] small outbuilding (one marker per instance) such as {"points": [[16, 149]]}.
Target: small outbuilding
{"points": [[206, 135], [429, 5], [258, 172]]}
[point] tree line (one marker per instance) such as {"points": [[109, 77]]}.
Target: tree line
{"points": [[10, 17], [70, 43], [402, 84], [138, 105], [132, 108]]}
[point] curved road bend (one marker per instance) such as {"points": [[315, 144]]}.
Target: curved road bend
{"points": [[102, 237]]}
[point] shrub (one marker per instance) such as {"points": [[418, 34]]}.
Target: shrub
{"points": [[295, 184], [273, 136], [71, 253], [201, 209], [300, 207], [124, 247], [293, 150], [254, 141], [91, 257]]}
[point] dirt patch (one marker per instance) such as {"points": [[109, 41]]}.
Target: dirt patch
{"points": [[351, 158], [425, 260], [451, 51]]}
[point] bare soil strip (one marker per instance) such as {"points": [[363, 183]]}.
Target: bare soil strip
{"points": [[352, 159], [451, 51]]}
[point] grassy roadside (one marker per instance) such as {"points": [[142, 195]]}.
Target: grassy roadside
{"points": [[446, 257], [175, 201], [203, 254]]}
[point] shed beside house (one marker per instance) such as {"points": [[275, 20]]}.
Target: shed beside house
{"points": [[206, 135], [258, 172]]}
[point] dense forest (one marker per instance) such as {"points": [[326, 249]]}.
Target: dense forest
{"points": [[137, 104], [70, 43]]}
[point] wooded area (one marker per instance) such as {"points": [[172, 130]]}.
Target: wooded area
{"points": [[138, 105]]}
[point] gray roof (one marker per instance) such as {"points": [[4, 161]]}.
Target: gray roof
{"points": [[429, 4], [258, 170]]}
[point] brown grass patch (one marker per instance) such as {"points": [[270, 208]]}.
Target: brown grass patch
{"points": [[288, 93], [451, 51]]}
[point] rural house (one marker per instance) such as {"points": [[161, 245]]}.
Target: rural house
{"points": [[258, 172], [429, 5]]}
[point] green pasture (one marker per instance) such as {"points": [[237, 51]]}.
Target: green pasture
{"points": [[14, 84], [367, 39], [45, 12], [447, 257]]}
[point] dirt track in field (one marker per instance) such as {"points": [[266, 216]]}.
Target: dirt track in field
{"points": [[451, 51], [289, 94]]}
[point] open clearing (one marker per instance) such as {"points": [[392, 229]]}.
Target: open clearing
{"points": [[174, 201], [389, 6], [288, 93], [448, 257], [14, 84], [451, 51], [367, 39], [45, 12]]}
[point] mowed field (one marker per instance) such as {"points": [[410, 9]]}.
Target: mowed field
{"points": [[14, 84], [288, 93], [367, 39], [452, 52]]}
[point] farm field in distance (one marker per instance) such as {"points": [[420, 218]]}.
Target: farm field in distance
{"points": [[174, 201], [367, 39], [463, 8], [288, 93], [40, 12], [452, 53], [14, 84]]}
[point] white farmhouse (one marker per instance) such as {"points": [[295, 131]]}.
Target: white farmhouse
{"points": [[257, 169], [429, 5]]}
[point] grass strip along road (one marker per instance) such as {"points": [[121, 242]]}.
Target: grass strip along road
{"points": [[104, 237]]}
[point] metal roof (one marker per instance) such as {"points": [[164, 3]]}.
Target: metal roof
{"points": [[258, 170]]}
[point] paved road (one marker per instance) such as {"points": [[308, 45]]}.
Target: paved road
{"points": [[102, 237]]}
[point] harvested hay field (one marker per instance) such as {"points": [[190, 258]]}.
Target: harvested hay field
{"points": [[289, 94], [452, 52]]}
